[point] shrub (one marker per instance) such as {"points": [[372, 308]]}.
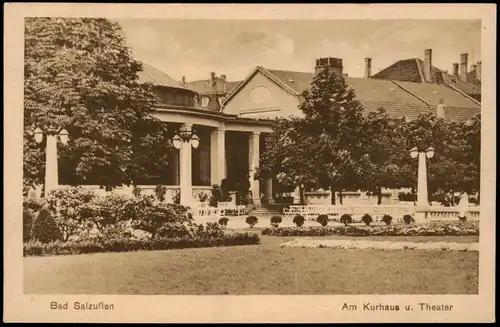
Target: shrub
{"points": [[299, 220], [176, 197], [216, 196], [223, 221], [45, 229], [429, 229], [28, 218], [276, 220], [464, 218], [136, 191], [32, 204], [251, 221], [346, 219], [387, 219], [131, 244], [408, 219], [150, 216], [160, 192], [111, 211], [322, 220], [367, 219], [73, 207]]}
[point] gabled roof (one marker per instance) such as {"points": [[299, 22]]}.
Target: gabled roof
{"points": [[204, 86], [152, 75], [397, 98]]}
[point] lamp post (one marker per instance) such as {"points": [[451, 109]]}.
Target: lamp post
{"points": [[183, 141], [422, 193], [51, 168]]}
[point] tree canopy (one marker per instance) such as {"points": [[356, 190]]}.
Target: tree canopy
{"points": [[80, 75], [335, 145]]}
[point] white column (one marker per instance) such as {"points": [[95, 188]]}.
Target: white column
{"points": [[296, 195], [186, 184], [269, 190], [51, 170], [217, 156], [422, 197], [422, 194], [253, 157]]}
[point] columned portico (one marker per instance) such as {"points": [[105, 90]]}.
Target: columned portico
{"points": [[269, 190], [218, 168], [253, 158]]}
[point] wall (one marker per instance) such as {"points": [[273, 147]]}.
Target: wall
{"points": [[261, 97]]}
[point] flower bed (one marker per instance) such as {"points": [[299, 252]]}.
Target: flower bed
{"points": [[135, 244], [428, 229], [370, 245]]}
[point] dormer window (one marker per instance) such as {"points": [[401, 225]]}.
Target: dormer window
{"points": [[204, 102]]}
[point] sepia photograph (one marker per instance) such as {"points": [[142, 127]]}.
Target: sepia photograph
{"points": [[253, 157]]}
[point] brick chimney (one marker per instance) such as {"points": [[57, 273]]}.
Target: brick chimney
{"points": [[368, 67], [212, 78], [428, 65], [455, 69], [478, 71], [335, 64], [183, 81], [463, 67]]}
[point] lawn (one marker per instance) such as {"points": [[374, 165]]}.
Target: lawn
{"points": [[264, 269]]}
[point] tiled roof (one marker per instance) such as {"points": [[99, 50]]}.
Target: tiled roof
{"points": [[155, 76], [372, 93], [466, 87], [204, 87], [399, 99], [412, 70], [403, 70], [431, 93]]}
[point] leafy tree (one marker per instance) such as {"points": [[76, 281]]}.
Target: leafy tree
{"points": [[333, 119], [45, 228], [286, 155], [456, 164], [79, 75], [383, 142]]}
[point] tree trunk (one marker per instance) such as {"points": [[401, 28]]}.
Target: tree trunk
{"points": [[413, 194], [332, 200], [340, 197], [379, 196], [301, 194]]}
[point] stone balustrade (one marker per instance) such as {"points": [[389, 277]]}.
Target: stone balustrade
{"points": [[432, 213]]}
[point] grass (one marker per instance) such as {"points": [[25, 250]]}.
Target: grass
{"points": [[264, 269]]}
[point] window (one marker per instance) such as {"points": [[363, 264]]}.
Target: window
{"points": [[204, 102]]}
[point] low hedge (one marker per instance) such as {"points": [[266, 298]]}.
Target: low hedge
{"points": [[428, 229], [132, 244]]}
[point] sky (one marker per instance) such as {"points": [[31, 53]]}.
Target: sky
{"points": [[194, 48]]}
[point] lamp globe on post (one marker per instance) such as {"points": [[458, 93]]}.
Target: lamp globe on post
{"points": [[414, 152], [176, 141], [63, 135], [430, 152], [195, 141], [38, 135]]}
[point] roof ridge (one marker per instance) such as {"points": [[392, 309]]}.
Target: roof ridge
{"points": [[422, 77], [463, 94], [411, 93], [278, 80]]}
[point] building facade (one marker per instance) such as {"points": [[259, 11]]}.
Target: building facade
{"points": [[230, 118]]}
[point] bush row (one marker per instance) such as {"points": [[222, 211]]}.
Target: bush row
{"points": [[75, 212], [430, 229], [97, 245]]}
